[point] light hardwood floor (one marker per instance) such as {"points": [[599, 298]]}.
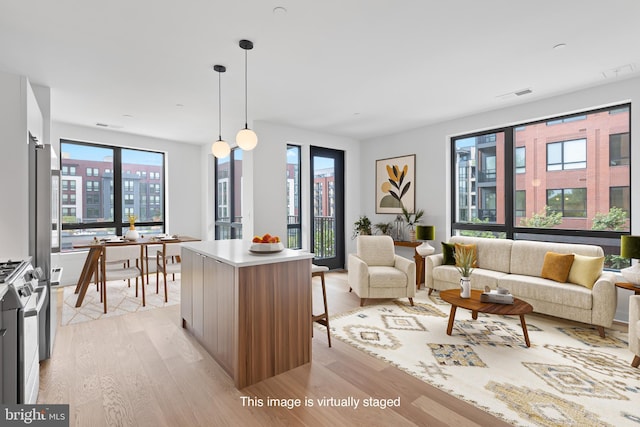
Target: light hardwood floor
{"points": [[144, 369]]}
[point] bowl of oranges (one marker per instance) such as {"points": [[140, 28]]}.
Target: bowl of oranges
{"points": [[266, 244]]}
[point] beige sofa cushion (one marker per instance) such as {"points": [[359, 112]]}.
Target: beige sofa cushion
{"points": [[493, 254], [537, 288], [386, 277], [527, 257], [585, 270], [376, 250]]}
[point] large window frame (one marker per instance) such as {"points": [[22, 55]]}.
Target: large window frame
{"points": [[510, 228], [294, 196], [120, 222], [228, 196]]}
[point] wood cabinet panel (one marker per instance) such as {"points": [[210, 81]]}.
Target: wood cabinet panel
{"points": [[188, 260], [254, 320], [274, 314]]}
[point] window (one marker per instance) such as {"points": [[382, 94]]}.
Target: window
{"points": [[100, 205], [570, 202], [619, 149], [620, 197], [521, 204], [294, 218], [566, 120], [521, 160], [558, 195], [229, 196], [567, 155]]}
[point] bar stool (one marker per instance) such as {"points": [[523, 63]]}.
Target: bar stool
{"points": [[322, 318]]}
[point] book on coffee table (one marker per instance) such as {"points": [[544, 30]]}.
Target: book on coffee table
{"points": [[495, 297]]}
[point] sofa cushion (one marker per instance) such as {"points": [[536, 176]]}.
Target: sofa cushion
{"points": [[556, 266], [527, 257], [376, 250], [448, 251], [386, 277], [479, 278], [586, 270], [493, 254], [537, 288], [460, 247]]}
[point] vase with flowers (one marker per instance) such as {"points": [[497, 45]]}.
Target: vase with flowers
{"points": [[132, 233], [412, 219], [465, 258]]}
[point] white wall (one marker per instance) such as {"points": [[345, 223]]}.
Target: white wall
{"points": [[264, 169], [14, 165], [185, 205], [431, 146]]}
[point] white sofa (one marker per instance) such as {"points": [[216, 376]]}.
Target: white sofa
{"points": [[517, 265]]}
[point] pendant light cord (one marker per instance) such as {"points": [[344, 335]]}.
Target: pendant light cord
{"points": [[219, 107], [246, 126]]}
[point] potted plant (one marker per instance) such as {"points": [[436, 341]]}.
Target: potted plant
{"points": [[412, 219], [465, 258], [384, 227], [361, 227]]}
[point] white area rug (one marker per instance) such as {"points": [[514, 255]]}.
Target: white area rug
{"points": [[569, 375], [121, 299]]}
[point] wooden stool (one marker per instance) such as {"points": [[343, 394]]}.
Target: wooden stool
{"points": [[323, 318]]}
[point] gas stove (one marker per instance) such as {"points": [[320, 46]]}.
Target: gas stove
{"points": [[20, 309], [7, 268]]}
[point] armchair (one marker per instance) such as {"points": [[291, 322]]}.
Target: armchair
{"points": [[634, 329], [375, 271]]}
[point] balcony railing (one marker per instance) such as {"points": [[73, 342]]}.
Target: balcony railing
{"points": [[324, 233]]}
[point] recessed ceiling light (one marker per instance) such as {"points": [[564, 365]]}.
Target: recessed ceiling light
{"points": [[179, 105], [279, 11], [560, 46], [128, 116]]}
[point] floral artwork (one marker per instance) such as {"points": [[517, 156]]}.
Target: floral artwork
{"points": [[395, 184]]}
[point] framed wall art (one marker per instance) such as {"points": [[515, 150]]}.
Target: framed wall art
{"points": [[395, 184]]}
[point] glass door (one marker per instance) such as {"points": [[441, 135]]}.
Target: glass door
{"points": [[327, 207]]}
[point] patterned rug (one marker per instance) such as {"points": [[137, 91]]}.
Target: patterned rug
{"points": [[569, 375], [121, 299]]}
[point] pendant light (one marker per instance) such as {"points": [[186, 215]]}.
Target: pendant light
{"points": [[246, 138], [220, 148]]}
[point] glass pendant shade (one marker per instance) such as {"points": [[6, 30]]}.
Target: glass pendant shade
{"points": [[220, 149], [247, 139]]}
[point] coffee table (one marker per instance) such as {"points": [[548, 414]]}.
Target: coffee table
{"points": [[519, 308]]}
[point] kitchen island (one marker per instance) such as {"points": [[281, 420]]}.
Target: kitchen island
{"points": [[251, 312]]}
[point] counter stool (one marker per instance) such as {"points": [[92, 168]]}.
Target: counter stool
{"points": [[323, 318]]}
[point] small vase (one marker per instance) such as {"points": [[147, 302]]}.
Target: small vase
{"points": [[465, 287], [132, 234], [412, 234]]}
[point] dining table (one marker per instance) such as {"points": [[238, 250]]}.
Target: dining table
{"points": [[96, 249]]}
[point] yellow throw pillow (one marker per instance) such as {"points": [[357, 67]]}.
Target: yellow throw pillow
{"points": [[586, 270], [556, 266], [473, 248]]}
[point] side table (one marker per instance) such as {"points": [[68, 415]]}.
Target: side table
{"points": [[629, 286], [416, 256]]}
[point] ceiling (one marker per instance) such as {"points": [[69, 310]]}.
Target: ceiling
{"points": [[357, 68]]}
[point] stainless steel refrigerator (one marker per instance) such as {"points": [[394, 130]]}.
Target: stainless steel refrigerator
{"points": [[40, 230]]}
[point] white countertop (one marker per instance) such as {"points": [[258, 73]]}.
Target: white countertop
{"points": [[236, 252]]}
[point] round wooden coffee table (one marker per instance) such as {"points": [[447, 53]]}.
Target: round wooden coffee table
{"points": [[519, 308]]}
